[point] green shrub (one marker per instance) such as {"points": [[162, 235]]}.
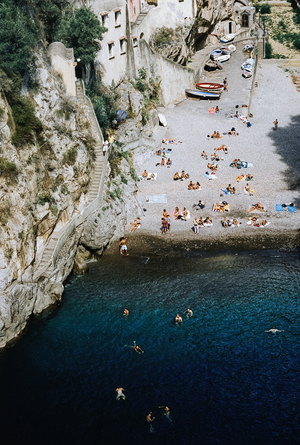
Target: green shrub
{"points": [[118, 192], [43, 197], [8, 169], [296, 43], [265, 8], [26, 122], [8, 253], [104, 101], [123, 179], [50, 14], [70, 156], [64, 189], [268, 50], [162, 36]]}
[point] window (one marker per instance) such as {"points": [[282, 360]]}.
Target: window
{"points": [[117, 18], [104, 19], [134, 10], [134, 42], [111, 52], [122, 45], [245, 21]]}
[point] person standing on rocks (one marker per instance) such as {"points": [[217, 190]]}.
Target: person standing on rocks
{"points": [[123, 247], [275, 124]]}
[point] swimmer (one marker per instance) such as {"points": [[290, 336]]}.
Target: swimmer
{"points": [[274, 330], [149, 419], [178, 319], [126, 312], [120, 394], [135, 347], [166, 412], [188, 312]]}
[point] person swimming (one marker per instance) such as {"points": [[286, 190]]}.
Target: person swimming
{"points": [[188, 312], [178, 319], [126, 312], [120, 394], [135, 347], [274, 330]]}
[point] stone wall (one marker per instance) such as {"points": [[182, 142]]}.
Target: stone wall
{"points": [[62, 60], [174, 78]]}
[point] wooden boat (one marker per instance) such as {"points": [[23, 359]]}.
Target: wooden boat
{"points": [[246, 66], [246, 74], [225, 50], [210, 66], [231, 48], [222, 58], [215, 53], [196, 94], [228, 38], [210, 87]]}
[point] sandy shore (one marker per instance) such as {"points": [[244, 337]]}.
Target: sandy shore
{"points": [[274, 154]]}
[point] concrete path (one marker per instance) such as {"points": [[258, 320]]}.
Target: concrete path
{"points": [[273, 154]]}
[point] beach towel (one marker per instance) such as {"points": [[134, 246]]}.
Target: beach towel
{"points": [[207, 225], [291, 209], [226, 192], [171, 164], [161, 199], [210, 176], [279, 208], [211, 110]]}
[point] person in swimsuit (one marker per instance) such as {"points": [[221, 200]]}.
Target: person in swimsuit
{"points": [[176, 176], [169, 162], [135, 347], [166, 412], [184, 213], [126, 312], [123, 247], [178, 319], [145, 174], [120, 394], [273, 330], [189, 312]]}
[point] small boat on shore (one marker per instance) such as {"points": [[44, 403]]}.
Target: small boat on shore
{"points": [[232, 48], [228, 38], [210, 87], [223, 58], [246, 74], [210, 66], [225, 50], [196, 94], [215, 53]]}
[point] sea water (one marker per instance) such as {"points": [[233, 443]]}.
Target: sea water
{"points": [[225, 380]]}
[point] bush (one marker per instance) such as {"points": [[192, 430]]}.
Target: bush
{"points": [[162, 36], [104, 102], [70, 156], [50, 14], [265, 9], [296, 43], [26, 122], [8, 169], [43, 197], [268, 51]]}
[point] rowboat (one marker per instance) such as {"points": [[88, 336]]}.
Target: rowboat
{"points": [[246, 66], [246, 74], [215, 53], [210, 66], [222, 58], [201, 94], [225, 50], [227, 38], [210, 87]]}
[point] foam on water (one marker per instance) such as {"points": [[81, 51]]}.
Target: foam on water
{"points": [[225, 380]]}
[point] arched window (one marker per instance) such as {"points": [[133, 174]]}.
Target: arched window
{"points": [[245, 20]]}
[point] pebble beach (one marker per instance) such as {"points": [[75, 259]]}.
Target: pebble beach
{"points": [[274, 155]]}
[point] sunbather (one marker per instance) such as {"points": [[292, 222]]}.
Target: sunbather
{"points": [[197, 185], [212, 167], [204, 155], [263, 222], [200, 205], [217, 109], [184, 175], [214, 135], [201, 222], [145, 174], [257, 206], [168, 141], [135, 224], [177, 213], [253, 220], [248, 190], [152, 176], [169, 162], [176, 176], [208, 220], [240, 177], [191, 186], [166, 214], [249, 177], [224, 222], [158, 152]]}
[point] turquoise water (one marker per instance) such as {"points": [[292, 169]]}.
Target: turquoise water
{"points": [[224, 379]]}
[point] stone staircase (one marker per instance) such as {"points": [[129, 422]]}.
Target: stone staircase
{"points": [[45, 267], [143, 14]]}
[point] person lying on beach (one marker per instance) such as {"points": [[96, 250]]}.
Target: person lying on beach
{"points": [[249, 177], [158, 152], [169, 141], [204, 155], [222, 207], [240, 177], [184, 213], [235, 222], [201, 221], [178, 319], [257, 206], [212, 167], [264, 222], [208, 220], [191, 186], [222, 147], [200, 205], [184, 175], [214, 135], [230, 189], [197, 185], [225, 222], [176, 176], [162, 163], [135, 224], [169, 162], [152, 176], [253, 220], [145, 174]]}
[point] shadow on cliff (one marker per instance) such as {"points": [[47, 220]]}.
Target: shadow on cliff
{"points": [[286, 140]]}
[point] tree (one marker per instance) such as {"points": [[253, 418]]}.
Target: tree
{"points": [[81, 30], [18, 36], [50, 13]]}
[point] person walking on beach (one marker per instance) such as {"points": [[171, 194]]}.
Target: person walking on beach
{"points": [[275, 124], [122, 246], [273, 330], [120, 394], [225, 84]]}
